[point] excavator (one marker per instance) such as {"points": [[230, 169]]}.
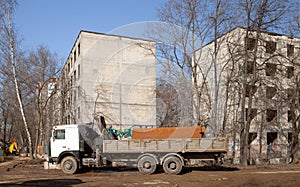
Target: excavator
{"points": [[13, 148]]}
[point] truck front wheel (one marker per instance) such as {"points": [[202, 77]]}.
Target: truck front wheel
{"points": [[172, 165], [69, 165]]}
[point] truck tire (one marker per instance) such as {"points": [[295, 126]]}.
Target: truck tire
{"points": [[172, 165], [147, 165], [69, 165]]}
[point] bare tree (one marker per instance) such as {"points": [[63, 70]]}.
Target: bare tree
{"points": [[9, 53], [177, 58], [10, 115], [42, 68], [167, 104], [294, 119], [260, 16], [296, 110], [5, 108], [199, 21]]}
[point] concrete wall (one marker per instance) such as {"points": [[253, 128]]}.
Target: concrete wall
{"points": [[117, 79]]}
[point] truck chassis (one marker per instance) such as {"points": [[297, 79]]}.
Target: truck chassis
{"points": [[147, 155]]}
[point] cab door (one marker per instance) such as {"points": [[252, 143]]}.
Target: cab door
{"points": [[58, 142]]}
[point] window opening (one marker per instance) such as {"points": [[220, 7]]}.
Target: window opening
{"points": [[250, 67], [270, 47], [250, 43], [252, 137], [248, 89], [271, 115], [291, 116], [290, 50], [252, 114], [270, 69], [289, 72], [270, 92]]}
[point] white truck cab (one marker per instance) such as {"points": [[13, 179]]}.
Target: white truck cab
{"points": [[64, 138]]}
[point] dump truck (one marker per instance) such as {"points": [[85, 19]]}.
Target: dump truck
{"points": [[76, 146]]}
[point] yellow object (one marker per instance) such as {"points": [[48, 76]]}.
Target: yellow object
{"points": [[14, 147], [40, 149]]}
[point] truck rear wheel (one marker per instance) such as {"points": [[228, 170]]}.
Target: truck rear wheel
{"points": [[69, 165], [147, 165], [172, 165]]}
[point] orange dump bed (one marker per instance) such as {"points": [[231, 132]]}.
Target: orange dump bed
{"points": [[167, 133]]}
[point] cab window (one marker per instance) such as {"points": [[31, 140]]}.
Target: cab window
{"points": [[59, 134]]}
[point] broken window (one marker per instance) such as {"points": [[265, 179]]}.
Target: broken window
{"points": [[289, 72], [290, 50], [71, 81], [250, 43], [78, 112], [291, 116], [271, 116], [252, 136], [290, 94], [290, 137], [270, 69], [75, 56], [250, 90], [78, 48], [252, 114], [75, 96], [250, 67], [75, 75], [69, 84], [68, 69], [271, 137], [78, 69], [270, 92], [70, 98], [270, 47]]}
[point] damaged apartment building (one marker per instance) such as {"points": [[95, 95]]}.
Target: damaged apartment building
{"points": [[108, 75], [258, 75]]}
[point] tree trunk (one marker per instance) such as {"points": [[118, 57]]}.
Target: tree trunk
{"points": [[21, 108], [4, 130], [12, 55], [244, 148]]}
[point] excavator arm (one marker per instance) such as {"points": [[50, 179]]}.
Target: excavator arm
{"points": [[13, 148]]}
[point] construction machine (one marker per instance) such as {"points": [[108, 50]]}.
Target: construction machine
{"points": [[13, 149]]}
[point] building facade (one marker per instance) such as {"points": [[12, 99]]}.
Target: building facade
{"points": [[257, 74], [112, 76]]}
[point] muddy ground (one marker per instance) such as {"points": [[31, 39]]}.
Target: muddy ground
{"points": [[19, 171]]}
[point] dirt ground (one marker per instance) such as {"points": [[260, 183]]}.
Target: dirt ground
{"points": [[19, 171]]}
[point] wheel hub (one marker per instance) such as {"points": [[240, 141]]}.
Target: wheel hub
{"points": [[147, 165], [172, 165], [69, 165]]}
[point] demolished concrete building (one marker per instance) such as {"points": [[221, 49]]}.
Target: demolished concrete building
{"points": [[263, 69]]}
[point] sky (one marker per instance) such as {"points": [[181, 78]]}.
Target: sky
{"points": [[57, 23]]}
